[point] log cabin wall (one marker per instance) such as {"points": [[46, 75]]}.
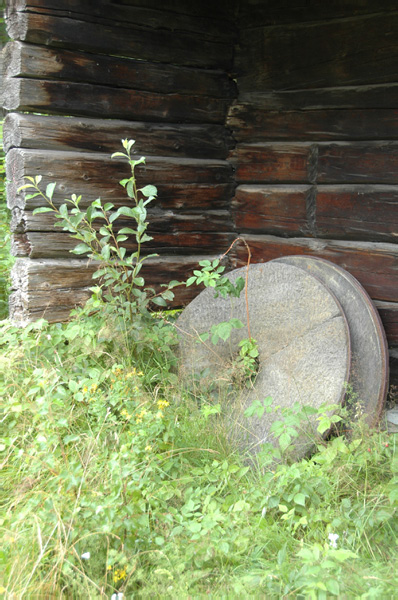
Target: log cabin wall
{"points": [[316, 130], [156, 72], [310, 141]]}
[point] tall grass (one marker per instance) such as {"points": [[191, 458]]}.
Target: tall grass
{"points": [[118, 479]]}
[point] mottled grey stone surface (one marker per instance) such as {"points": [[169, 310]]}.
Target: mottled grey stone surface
{"points": [[303, 342], [369, 362]]}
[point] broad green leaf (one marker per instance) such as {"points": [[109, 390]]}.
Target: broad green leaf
{"points": [[50, 190], [42, 209], [159, 301], [299, 499], [81, 249], [149, 190], [127, 230]]}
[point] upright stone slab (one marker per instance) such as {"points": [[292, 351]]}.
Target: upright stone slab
{"points": [[369, 363], [303, 342]]}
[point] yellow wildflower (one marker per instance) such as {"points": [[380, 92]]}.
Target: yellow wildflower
{"points": [[85, 389], [148, 448], [94, 387], [162, 404], [119, 574]]}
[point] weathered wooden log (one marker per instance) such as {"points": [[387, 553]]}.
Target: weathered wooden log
{"points": [[359, 162], [375, 265], [255, 122], [216, 23], [176, 240], [83, 99], [277, 162], [389, 315], [28, 60], [353, 212], [381, 96], [319, 54], [368, 212], [94, 174], [276, 210], [252, 12], [323, 162], [51, 288], [160, 44], [100, 135]]}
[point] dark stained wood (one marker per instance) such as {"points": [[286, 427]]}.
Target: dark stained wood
{"points": [[176, 241], [254, 122], [185, 199], [388, 312], [253, 13], [163, 45], [99, 135], [28, 60], [276, 210], [334, 52], [275, 162], [178, 17], [94, 174], [52, 287], [83, 99], [302, 162], [367, 212], [378, 96], [375, 265], [359, 162]]}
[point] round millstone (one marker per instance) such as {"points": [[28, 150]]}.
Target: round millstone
{"points": [[369, 362], [303, 343]]}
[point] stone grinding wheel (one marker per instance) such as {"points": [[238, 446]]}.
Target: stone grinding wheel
{"points": [[303, 343], [369, 362]]}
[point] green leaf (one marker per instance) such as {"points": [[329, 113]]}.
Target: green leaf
{"points": [[324, 425], [81, 249], [127, 230], [159, 301], [50, 190], [190, 281], [299, 499], [149, 190], [42, 209], [140, 281]]}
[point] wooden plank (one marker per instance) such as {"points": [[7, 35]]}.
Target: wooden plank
{"points": [[83, 99], [163, 45], [275, 162], [254, 122], [255, 12], [28, 60], [336, 52], [189, 199], [368, 212], [35, 244], [388, 312], [52, 287], [276, 210], [340, 162], [99, 135], [176, 18], [375, 265], [93, 174], [378, 96], [359, 162]]}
